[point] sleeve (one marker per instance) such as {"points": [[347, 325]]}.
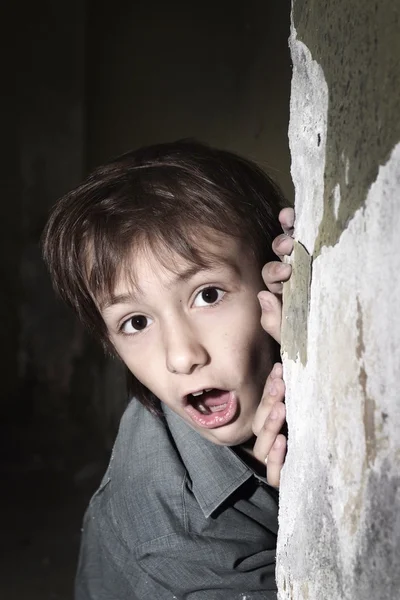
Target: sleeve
{"points": [[170, 568], [99, 575], [193, 568], [178, 566]]}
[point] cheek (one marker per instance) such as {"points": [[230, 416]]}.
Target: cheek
{"points": [[148, 373], [147, 364], [137, 362], [257, 347], [247, 345]]}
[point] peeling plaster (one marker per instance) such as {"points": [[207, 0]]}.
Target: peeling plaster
{"points": [[369, 403], [336, 200], [308, 114], [344, 415], [339, 534], [296, 294], [356, 45], [339, 526]]}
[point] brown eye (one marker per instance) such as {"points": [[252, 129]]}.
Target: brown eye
{"points": [[139, 322], [209, 295], [135, 324]]}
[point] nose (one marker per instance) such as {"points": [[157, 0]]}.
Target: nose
{"points": [[184, 350]]}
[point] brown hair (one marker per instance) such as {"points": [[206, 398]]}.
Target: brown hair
{"points": [[157, 196]]}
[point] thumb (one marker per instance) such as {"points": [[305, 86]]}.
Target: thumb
{"points": [[271, 317]]}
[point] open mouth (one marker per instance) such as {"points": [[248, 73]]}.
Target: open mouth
{"points": [[211, 408]]}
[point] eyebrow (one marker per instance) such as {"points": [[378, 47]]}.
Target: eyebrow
{"points": [[134, 296], [185, 275], [117, 299]]}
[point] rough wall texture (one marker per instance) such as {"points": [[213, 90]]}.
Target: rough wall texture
{"points": [[339, 520]]}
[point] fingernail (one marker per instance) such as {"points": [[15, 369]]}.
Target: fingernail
{"points": [[283, 240], [284, 269], [277, 370]]}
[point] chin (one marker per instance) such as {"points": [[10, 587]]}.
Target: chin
{"points": [[232, 439]]}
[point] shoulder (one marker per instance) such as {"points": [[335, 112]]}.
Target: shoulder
{"points": [[141, 495], [144, 448]]}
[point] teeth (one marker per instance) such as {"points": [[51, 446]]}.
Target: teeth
{"points": [[199, 405], [201, 392], [219, 408]]}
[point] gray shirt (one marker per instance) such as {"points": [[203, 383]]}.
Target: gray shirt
{"points": [[177, 517]]}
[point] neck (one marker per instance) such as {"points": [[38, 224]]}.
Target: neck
{"points": [[246, 453]]}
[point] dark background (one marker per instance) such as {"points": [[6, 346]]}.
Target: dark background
{"points": [[80, 84]]}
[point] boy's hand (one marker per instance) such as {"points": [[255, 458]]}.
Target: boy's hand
{"points": [[274, 274], [270, 446]]}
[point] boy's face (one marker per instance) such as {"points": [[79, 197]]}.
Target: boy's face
{"points": [[181, 334]]}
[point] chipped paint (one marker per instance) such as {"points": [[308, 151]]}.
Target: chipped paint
{"points": [[369, 403], [339, 526], [343, 411], [356, 45], [295, 306], [308, 112]]}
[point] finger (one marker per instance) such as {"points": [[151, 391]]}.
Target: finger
{"points": [[274, 373], [283, 245], [271, 315], [277, 371], [269, 431], [274, 391], [286, 219], [274, 273], [275, 460]]}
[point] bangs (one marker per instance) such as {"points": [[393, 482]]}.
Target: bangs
{"points": [[109, 260]]}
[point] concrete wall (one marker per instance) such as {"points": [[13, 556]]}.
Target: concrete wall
{"points": [[339, 519]]}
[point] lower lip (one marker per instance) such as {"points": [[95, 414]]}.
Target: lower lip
{"points": [[216, 419]]}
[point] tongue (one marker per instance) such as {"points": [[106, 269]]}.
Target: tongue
{"points": [[214, 398]]}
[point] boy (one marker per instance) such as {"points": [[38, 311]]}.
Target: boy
{"points": [[160, 253]]}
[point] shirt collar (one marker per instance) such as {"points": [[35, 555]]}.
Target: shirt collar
{"points": [[215, 471]]}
